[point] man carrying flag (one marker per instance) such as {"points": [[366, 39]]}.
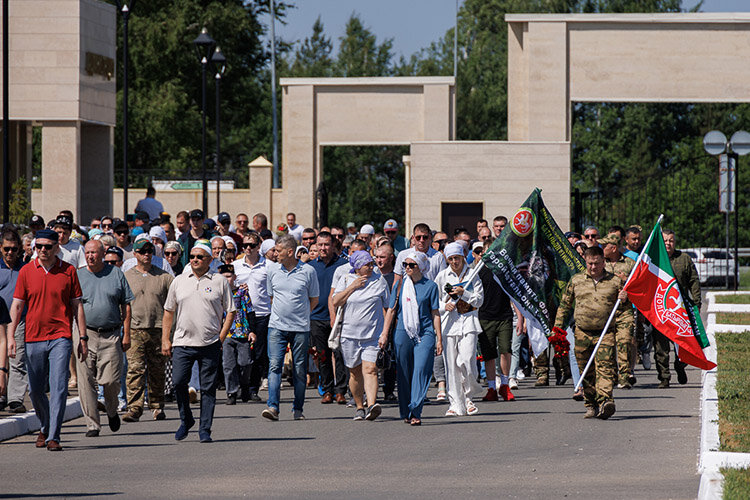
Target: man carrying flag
{"points": [[657, 288]]}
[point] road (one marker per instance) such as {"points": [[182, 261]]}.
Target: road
{"points": [[536, 447]]}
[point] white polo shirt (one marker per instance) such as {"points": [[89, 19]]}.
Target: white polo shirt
{"points": [[256, 279]]}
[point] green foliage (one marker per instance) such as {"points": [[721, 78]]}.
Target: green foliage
{"points": [[19, 210], [736, 484], [733, 391]]}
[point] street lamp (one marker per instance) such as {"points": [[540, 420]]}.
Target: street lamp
{"points": [[218, 62], [715, 143], [122, 6], [204, 45]]}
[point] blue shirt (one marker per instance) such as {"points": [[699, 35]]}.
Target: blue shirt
{"points": [[8, 279], [325, 278], [631, 254], [291, 292], [427, 301], [400, 243]]}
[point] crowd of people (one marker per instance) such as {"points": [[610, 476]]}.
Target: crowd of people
{"points": [[136, 312]]}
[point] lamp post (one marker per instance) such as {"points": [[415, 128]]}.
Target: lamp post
{"points": [[715, 143], [204, 44], [6, 119], [125, 13], [218, 61], [273, 99]]}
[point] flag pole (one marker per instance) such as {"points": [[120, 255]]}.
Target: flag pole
{"points": [[614, 309]]}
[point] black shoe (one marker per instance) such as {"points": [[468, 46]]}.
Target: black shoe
{"points": [[100, 406], [254, 397], [114, 423], [632, 380], [16, 407], [390, 398], [231, 399], [3, 403], [681, 375], [564, 379], [558, 379], [92, 433], [244, 394], [664, 384]]}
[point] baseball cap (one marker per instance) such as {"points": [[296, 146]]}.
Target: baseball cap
{"points": [[209, 224], [223, 218], [477, 245], [117, 251], [610, 238], [390, 224], [64, 221], [142, 242], [47, 234], [196, 214], [573, 234], [367, 229], [350, 224], [36, 220]]}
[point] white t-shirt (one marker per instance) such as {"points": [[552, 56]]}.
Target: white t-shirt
{"points": [[72, 253], [256, 279], [363, 312], [339, 273], [296, 231], [155, 261], [437, 262]]}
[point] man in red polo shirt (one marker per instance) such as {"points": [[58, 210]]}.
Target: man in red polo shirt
{"points": [[50, 289]]}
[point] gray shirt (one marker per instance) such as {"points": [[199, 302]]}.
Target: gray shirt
{"points": [[363, 311], [103, 294], [291, 292]]}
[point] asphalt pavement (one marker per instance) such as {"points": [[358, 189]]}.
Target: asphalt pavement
{"points": [[536, 447]]}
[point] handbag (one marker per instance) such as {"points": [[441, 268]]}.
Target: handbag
{"points": [[384, 359], [334, 338]]}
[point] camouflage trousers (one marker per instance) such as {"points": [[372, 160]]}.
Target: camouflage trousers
{"points": [[145, 361], [625, 345], [541, 365], [599, 382]]}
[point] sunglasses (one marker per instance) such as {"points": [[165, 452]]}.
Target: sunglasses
{"points": [[121, 233], [10, 249], [239, 221], [198, 257], [411, 265], [590, 236], [249, 245], [95, 226], [144, 251], [105, 226], [339, 236], [46, 246], [112, 261], [421, 237], [171, 254], [308, 239], [391, 232], [440, 242]]}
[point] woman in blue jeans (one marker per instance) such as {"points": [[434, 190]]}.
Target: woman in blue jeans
{"points": [[417, 336]]}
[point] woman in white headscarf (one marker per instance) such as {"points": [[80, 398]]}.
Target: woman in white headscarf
{"points": [[459, 305], [417, 335]]}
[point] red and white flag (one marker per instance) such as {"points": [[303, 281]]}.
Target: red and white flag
{"points": [[653, 289]]}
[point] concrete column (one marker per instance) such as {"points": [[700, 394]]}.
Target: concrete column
{"points": [[261, 181], [61, 168], [438, 104], [548, 88], [97, 168], [301, 170]]}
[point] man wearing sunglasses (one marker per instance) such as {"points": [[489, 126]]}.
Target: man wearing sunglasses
{"points": [[106, 303], [251, 271], [308, 237], [106, 225], [10, 265], [122, 238], [421, 242], [195, 304], [150, 285], [590, 235], [50, 289], [399, 243]]}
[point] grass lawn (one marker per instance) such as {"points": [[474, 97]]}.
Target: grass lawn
{"points": [[736, 484], [744, 278], [733, 389], [728, 318], [733, 299]]}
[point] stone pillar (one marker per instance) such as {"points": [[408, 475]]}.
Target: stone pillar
{"points": [[301, 170], [61, 168], [261, 181], [97, 168]]}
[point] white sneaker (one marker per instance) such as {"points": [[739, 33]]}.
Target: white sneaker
{"points": [[520, 375], [264, 385], [513, 384]]}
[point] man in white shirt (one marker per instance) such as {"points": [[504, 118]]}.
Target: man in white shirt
{"points": [[70, 250], [251, 270], [295, 230], [195, 303]]}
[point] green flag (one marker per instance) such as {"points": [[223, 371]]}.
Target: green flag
{"points": [[533, 262]]}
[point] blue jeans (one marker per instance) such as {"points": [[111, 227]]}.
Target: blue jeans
{"points": [[277, 342], [48, 361], [415, 361], [209, 361]]}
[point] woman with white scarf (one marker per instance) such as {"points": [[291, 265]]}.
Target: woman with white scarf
{"points": [[459, 304], [417, 335]]}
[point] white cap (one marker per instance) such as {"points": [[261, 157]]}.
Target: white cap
{"points": [[367, 229], [266, 246], [158, 232]]}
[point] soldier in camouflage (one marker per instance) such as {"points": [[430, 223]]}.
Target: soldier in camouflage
{"points": [[619, 265], [593, 295], [689, 283]]}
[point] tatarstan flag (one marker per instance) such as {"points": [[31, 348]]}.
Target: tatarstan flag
{"points": [[654, 291]]}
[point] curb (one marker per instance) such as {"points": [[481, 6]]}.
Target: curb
{"points": [[710, 460], [19, 425]]}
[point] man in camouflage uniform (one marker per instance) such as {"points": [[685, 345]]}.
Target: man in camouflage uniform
{"points": [[150, 285], [619, 265], [689, 283], [593, 294]]}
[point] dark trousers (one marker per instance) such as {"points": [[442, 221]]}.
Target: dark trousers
{"points": [[237, 364], [662, 346], [319, 332], [259, 353], [390, 375], [209, 362]]}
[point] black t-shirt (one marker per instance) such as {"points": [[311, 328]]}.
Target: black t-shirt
{"points": [[496, 305]]}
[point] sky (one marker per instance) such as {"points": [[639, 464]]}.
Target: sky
{"points": [[412, 24]]}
